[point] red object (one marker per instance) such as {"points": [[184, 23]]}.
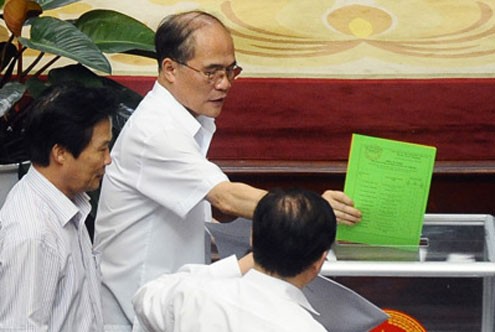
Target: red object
{"points": [[399, 322]]}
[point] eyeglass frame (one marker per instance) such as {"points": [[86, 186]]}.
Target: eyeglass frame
{"points": [[210, 75]]}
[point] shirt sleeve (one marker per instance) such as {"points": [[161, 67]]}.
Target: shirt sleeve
{"points": [[152, 299], [28, 282]]}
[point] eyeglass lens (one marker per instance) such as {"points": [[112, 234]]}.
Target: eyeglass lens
{"points": [[231, 73]]}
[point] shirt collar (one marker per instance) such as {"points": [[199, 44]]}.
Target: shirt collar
{"points": [[65, 208], [180, 113], [280, 286]]}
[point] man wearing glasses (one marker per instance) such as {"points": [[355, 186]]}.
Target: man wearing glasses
{"points": [[156, 195]]}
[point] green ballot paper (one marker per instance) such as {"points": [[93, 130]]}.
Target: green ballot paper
{"points": [[389, 181]]}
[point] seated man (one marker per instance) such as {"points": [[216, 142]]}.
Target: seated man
{"points": [[48, 274], [291, 235]]}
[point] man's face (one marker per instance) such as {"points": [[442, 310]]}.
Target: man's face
{"points": [[214, 50], [85, 173]]}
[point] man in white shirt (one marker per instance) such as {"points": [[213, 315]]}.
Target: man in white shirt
{"points": [[291, 234], [48, 273], [156, 195]]}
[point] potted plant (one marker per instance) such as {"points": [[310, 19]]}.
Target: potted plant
{"points": [[85, 40]]}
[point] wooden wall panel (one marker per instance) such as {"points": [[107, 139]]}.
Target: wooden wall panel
{"points": [[296, 132]]}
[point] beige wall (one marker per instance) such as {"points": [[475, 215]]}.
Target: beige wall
{"points": [[343, 39]]}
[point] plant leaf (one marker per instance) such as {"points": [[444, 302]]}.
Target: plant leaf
{"points": [[146, 54], [35, 87], [10, 93], [1, 3], [50, 4], [114, 32], [74, 73], [87, 78], [16, 12], [51, 35]]}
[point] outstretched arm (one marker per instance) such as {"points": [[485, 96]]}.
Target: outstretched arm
{"points": [[235, 199], [240, 200]]}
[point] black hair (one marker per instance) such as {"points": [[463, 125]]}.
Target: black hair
{"points": [[66, 115], [174, 36], [291, 230]]}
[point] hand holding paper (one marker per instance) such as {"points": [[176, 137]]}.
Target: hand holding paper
{"points": [[389, 182], [343, 207]]}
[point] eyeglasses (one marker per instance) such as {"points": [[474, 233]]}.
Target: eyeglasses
{"points": [[215, 76]]}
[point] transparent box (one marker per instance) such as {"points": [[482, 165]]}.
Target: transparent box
{"points": [[447, 283]]}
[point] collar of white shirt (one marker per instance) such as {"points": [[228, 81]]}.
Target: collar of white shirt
{"points": [[65, 208], [281, 287], [180, 113]]}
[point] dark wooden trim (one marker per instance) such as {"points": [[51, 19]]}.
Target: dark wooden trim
{"points": [[457, 186], [485, 167]]}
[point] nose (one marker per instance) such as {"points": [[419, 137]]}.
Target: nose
{"points": [[223, 83], [108, 158]]}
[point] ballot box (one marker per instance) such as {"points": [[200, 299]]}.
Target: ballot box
{"points": [[446, 283]]}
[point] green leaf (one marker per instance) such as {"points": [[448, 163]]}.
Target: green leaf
{"points": [[58, 37], [75, 73], [35, 87], [145, 54], [114, 32], [10, 93], [51, 4], [78, 73], [1, 3]]}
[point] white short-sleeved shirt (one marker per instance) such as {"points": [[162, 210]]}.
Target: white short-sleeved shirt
{"points": [[216, 298], [152, 207], [48, 275]]}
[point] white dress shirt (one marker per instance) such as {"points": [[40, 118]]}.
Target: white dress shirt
{"points": [[48, 275], [216, 298], [152, 207]]}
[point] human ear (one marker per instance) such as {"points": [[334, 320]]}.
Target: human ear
{"points": [[58, 154], [168, 69], [319, 263]]}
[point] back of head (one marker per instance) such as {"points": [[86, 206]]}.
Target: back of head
{"points": [[174, 37], [291, 230], [65, 115]]}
